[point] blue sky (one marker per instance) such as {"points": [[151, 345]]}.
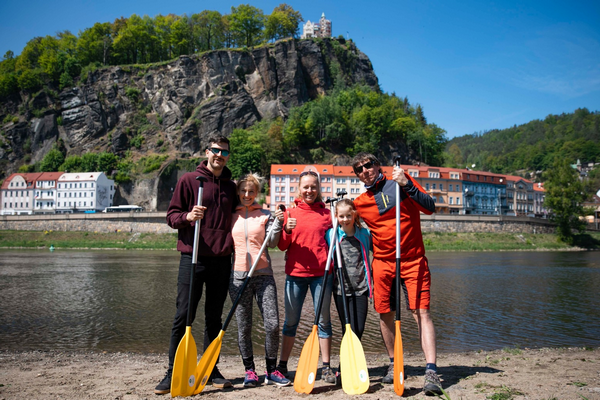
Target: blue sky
{"points": [[472, 65]]}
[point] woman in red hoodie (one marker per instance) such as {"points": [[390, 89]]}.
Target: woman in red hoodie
{"points": [[303, 239]]}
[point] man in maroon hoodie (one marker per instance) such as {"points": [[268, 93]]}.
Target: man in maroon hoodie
{"points": [[215, 246]]}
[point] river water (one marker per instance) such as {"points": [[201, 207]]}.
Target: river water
{"points": [[124, 301]]}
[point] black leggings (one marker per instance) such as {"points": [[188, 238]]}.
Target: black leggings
{"points": [[358, 307], [212, 276]]}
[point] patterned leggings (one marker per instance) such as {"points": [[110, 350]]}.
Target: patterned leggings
{"points": [[263, 288]]}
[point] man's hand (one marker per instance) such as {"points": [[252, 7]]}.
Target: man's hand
{"points": [[399, 177], [196, 213]]}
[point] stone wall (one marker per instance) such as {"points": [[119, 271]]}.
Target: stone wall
{"points": [[155, 222], [485, 223], [110, 222]]}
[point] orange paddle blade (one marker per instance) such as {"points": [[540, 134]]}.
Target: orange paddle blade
{"points": [[207, 362], [184, 366], [306, 373], [398, 362]]}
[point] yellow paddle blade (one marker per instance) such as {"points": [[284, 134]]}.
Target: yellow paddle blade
{"points": [[207, 362], [353, 364], [183, 380], [398, 362], [306, 373]]}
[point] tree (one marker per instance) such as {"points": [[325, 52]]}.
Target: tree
{"points": [[181, 36], [246, 24], [565, 194], [89, 162], [283, 22], [71, 164], [95, 44], [107, 162], [52, 161], [208, 30]]}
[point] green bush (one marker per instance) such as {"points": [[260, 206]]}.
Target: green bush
{"points": [[122, 177], [65, 81], [132, 93], [137, 141], [30, 80]]}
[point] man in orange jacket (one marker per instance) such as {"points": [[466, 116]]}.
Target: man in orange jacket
{"points": [[377, 207]]}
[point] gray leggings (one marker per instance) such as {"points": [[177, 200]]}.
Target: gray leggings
{"points": [[263, 288]]}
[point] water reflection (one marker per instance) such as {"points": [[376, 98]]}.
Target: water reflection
{"points": [[125, 301]]}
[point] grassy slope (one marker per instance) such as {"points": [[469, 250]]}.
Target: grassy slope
{"points": [[433, 241]]}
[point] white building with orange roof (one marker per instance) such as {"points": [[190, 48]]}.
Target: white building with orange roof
{"points": [[286, 177], [17, 193], [45, 192]]}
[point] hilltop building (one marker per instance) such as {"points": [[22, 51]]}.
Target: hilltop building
{"points": [[454, 190], [56, 192], [321, 29]]}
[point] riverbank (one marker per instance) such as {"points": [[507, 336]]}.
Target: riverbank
{"points": [[563, 373], [435, 241]]}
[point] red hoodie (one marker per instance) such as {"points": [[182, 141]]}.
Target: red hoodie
{"points": [[306, 246], [220, 198]]}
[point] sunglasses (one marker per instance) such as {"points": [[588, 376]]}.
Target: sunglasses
{"points": [[313, 173], [216, 151], [367, 165]]}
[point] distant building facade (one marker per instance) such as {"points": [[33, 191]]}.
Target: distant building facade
{"points": [[56, 192], [321, 29], [454, 190]]}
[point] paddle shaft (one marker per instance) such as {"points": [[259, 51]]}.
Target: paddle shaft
{"points": [[327, 264], [338, 253], [398, 248], [241, 291], [201, 181]]}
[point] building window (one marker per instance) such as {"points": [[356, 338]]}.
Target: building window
{"points": [[433, 186], [441, 186], [458, 200], [277, 179], [450, 200], [427, 186], [434, 199]]}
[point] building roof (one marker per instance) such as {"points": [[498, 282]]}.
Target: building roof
{"points": [[28, 177], [49, 176], [79, 176]]}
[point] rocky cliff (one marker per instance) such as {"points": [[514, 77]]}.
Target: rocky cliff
{"points": [[173, 107]]}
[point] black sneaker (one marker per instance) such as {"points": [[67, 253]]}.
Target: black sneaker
{"points": [[389, 376], [328, 375], [283, 370], [218, 380], [432, 385], [164, 387]]}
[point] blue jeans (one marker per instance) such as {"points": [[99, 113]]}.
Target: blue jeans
{"points": [[295, 292]]}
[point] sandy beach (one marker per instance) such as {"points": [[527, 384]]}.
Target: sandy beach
{"points": [[563, 373]]}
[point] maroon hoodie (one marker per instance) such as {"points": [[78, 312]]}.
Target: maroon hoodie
{"points": [[220, 199]]}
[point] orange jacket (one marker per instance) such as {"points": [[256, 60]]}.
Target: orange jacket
{"points": [[377, 207]]}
